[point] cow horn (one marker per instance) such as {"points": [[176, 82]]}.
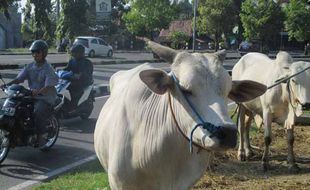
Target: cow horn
{"points": [[166, 53]]}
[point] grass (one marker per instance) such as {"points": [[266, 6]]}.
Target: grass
{"points": [[89, 176]]}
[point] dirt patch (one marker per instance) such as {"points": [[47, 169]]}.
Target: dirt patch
{"points": [[229, 173]]}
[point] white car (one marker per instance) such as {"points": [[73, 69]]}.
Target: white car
{"points": [[94, 46]]}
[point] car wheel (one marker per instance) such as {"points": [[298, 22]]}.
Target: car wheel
{"points": [[91, 53], [110, 53]]}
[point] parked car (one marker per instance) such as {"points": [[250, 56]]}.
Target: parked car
{"points": [[246, 47], [94, 46]]}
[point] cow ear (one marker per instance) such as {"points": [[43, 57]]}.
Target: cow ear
{"points": [[246, 90], [221, 55], [156, 80]]}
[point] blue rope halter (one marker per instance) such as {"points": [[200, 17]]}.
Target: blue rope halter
{"points": [[215, 131]]}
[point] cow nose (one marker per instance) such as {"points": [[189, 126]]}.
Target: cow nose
{"points": [[306, 106], [227, 136]]}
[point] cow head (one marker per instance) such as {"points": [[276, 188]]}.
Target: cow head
{"points": [[299, 84], [200, 88]]}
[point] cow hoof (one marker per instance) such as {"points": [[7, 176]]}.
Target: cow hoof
{"points": [[294, 168], [249, 155], [241, 157], [265, 167]]}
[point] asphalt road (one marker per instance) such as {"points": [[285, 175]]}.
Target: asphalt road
{"points": [[59, 58]]}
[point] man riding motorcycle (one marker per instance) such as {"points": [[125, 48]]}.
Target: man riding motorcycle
{"points": [[41, 80], [82, 69]]}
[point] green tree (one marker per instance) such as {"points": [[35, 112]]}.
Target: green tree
{"points": [[184, 9], [216, 18], [178, 39], [298, 19], [4, 5], [38, 24], [262, 20], [148, 16], [238, 4], [73, 20]]}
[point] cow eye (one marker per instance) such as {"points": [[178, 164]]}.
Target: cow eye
{"points": [[187, 92], [294, 81]]}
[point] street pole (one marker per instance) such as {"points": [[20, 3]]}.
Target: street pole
{"points": [[57, 9], [194, 27]]}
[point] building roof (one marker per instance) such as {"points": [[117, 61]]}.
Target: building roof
{"points": [[176, 26]]}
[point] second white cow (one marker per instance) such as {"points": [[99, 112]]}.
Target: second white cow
{"points": [[281, 103], [144, 130]]}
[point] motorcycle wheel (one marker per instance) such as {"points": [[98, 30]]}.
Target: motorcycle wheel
{"points": [[4, 146], [85, 115], [52, 127]]}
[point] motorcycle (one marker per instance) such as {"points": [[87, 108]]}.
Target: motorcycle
{"points": [[17, 126], [85, 104]]}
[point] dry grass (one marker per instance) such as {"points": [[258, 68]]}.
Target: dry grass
{"points": [[229, 173]]}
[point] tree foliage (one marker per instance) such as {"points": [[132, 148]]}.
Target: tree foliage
{"points": [[216, 18], [261, 19], [38, 23], [178, 39], [73, 20], [149, 16], [298, 19], [184, 9], [4, 5]]}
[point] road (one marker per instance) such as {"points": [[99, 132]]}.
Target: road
{"points": [[59, 58]]}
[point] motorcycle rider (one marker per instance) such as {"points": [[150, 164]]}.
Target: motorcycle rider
{"points": [[82, 69], [41, 80]]}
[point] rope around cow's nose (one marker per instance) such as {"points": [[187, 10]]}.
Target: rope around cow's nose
{"points": [[213, 129]]}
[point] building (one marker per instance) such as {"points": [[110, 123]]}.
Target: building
{"points": [[184, 26], [10, 30]]}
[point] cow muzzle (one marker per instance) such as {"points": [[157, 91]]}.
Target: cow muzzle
{"points": [[306, 106], [227, 136]]}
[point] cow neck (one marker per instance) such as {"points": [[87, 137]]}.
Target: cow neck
{"points": [[215, 131]]}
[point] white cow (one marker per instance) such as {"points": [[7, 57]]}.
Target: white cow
{"points": [[142, 133], [281, 103]]}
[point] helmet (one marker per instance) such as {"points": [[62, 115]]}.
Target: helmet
{"points": [[77, 48], [39, 45]]}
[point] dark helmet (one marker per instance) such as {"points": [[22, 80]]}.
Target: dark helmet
{"points": [[39, 45], [77, 48]]}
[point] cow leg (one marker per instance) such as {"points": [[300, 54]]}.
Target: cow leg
{"points": [[291, 156], [267, 138], [247, 145], [241, 130]]}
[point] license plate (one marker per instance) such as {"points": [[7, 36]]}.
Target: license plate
{"points": [[8, 111]]}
